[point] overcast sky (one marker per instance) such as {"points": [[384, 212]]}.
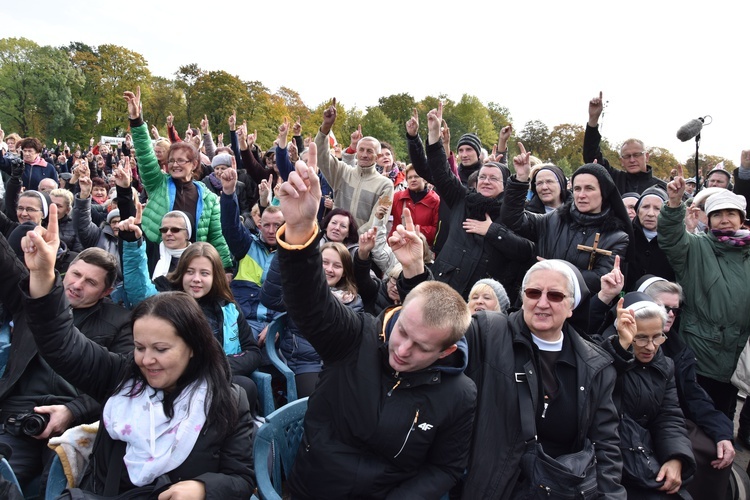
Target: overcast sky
{"points": [[659, 63]]}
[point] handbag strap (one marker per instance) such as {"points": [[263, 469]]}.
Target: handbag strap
{"points": [[525, 405], [116, 461]]}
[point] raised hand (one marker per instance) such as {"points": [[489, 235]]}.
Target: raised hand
{"points": [[596, 106], [611, 283], [522, 164], [626, 327], [134, 102], [132, 226], [232, 120], [434, 120], [502, 138], [204, 124], [676, 189], [85, 184], [264, 188], [283, 132], [220, 139], [367, 243], [329, 118], [412, 124], [356, 137], [228, 180], [297, 127], [445, 135], [123, 174], [170, 120], [154, 132], [299, 198], [40, 251], [407, 246]]}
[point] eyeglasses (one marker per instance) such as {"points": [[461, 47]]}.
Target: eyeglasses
{"points": [[548, 182], [644, 341], [181, 162], [673, 310], [496, 180], [28, 210], [552, 296], [633, 155], [173, 230]]}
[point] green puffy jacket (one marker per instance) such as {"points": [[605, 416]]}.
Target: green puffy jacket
{"points": [[714, 276], [161, 190]]}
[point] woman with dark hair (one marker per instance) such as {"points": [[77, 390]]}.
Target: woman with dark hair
{"points": [[299, 354], [171, 420], [200, 274], [339, 226], [176, 190]]}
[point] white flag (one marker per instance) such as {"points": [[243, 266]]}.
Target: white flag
{"points": [[99, 116]]}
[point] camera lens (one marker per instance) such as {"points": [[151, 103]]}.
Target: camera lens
{"points": [[34, 424]]}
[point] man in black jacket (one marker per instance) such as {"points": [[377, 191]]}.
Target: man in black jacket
{"points": [[392, 412], [28, 384], [635, 175]]}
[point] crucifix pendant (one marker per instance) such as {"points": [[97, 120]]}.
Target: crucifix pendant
{"points": [[594, 250]]}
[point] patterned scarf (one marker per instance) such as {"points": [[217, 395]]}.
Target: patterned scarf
{"points": [[739, 238]]}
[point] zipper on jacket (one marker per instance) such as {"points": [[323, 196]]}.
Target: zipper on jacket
{"points": [[398, 382], [411, 429]]}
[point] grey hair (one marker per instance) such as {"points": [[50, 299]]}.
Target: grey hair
{"points": [[659, 287], [649, 310], [553, 265]]}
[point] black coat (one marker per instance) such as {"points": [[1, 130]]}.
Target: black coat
{"points": [[28, 380], [558, 234], [497, 440], [371, 432], [625, 182], [466, 258], [647, 392], [646, 258], [223, 463]]}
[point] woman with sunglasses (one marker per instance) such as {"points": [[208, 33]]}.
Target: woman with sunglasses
{"points": [[177, 189], [535, 351], [199, 273], [646, 393]]}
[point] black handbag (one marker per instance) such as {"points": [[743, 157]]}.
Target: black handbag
{"points": [[639, 463], [569, 476]]}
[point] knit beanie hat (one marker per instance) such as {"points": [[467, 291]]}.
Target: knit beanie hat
{"points": [[111, 215], [222, 159], [472, 141], [606, 184], [502, 296]]}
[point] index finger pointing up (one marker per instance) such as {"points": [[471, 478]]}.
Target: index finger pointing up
{"points": [[521, 148]]}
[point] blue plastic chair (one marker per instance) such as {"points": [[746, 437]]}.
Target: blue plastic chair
{"points": [[278, 326], [7, 472], [265, 391], [276, 446], [57, 481]]}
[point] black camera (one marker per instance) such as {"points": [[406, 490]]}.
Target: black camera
{"points": [[29, 424]]}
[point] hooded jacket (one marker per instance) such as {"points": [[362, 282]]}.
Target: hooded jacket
{"points": [[371, 432]]}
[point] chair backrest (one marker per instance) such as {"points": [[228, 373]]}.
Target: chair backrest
{"points": [[6, 472], [278, 326], [276, 445], [265, 391], [56, 480]]}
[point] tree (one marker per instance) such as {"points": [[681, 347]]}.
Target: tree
{"points": [[296, 107], [470, 115], [398, 108], [164, 98], [36, 85], [186, 77], [535, 137], [376, 124], [567, 141], [216, 94], [500, 115]]}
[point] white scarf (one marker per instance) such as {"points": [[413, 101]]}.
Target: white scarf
{"points": [[165, 260], [155, 444]]}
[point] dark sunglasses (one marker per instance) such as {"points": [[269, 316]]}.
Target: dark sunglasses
{"points": [[173, 230], [674, 310], [535, 294]]}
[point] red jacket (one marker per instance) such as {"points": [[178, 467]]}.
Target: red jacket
{"points": [[424, 213]]}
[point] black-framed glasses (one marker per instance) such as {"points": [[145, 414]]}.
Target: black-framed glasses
{"points": [[673, 310], [633, 155], [552, 296], [181, 162], [644, 341], [173, 230]]}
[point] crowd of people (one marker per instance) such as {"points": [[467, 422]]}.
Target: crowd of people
{"points": [[456, 318]]}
